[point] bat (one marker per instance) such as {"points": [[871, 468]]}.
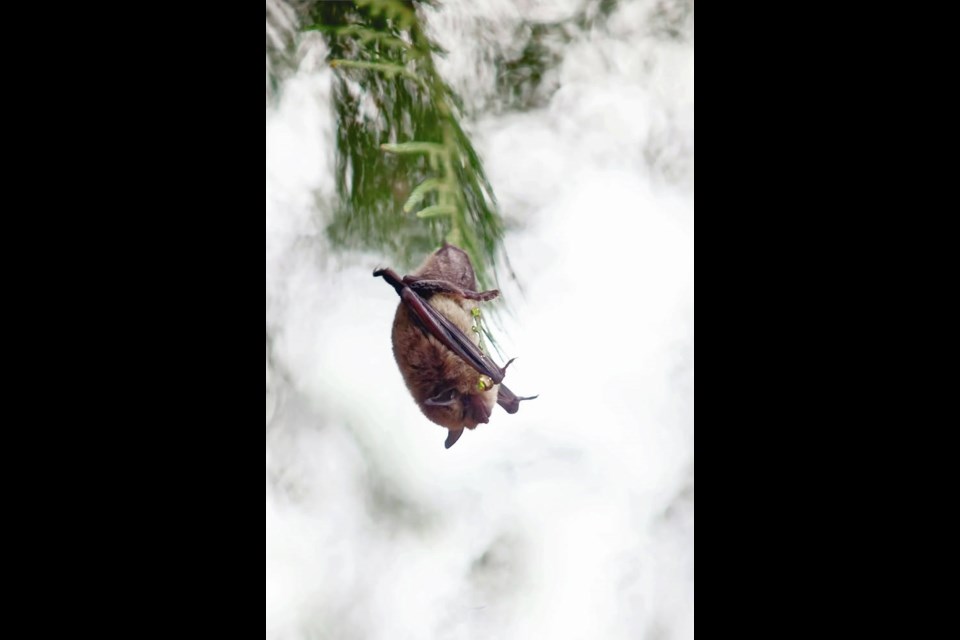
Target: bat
{"points": [[452, 380]]}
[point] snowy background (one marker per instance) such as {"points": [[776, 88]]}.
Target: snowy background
{"points": [[573, 518]]}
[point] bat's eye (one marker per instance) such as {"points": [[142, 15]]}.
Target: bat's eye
{"points": [[443, 398]]}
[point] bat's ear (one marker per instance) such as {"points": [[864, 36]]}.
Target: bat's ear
{"points": [[452, 437]]}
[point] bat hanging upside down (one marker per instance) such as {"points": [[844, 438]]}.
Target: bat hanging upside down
{"points": [[453, 382]]}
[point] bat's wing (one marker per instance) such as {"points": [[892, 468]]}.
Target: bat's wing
{"points": [[442, 329], [451, 336]]}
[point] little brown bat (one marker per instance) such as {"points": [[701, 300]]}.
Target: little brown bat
{"points": [[452, 381]]}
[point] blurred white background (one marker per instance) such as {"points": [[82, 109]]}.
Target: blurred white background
{"points": [[574, 517]]}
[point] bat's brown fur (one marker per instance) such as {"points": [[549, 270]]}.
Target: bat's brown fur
{"points": [[429, 368], [449, 390]]}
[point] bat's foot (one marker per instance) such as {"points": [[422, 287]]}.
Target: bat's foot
{"points": [[482, 296], [427, 287]]}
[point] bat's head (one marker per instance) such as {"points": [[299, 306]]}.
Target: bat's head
{"points": [[457, 406]]}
